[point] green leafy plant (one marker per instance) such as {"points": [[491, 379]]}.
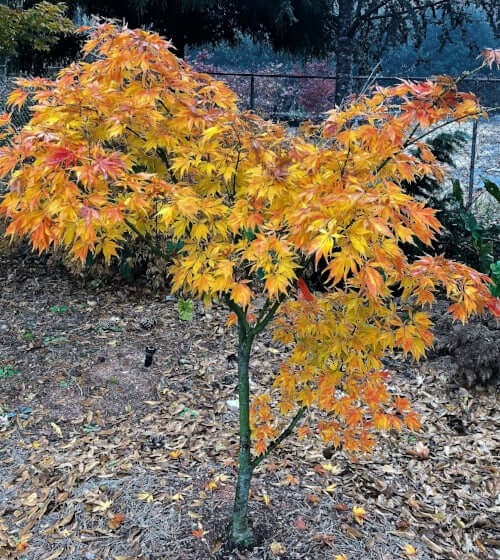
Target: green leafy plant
{"points": [[495, 276], [111, 328], [90, 428], [65, 383], [38, 28], [188, 412], [8, 371], [463, 237], [492, 188], [185, 309], [443, 147], [479, 236], [55, 339], [59, 309]]}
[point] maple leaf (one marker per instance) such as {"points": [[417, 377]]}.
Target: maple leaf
{"points": [[312, 499], [88, 214], [359, 514], [17, 98], [381, 421], [116, 520], [299, 524], [260, 447], [412, 421], [22, 546], [232, 319], [401, 403], [410, 550], [241, 294], [102, 505], [175, 454], [211, 485], [198, 533], [304, 290], [109, 166], [303, 431], [60, 155], [277, 548], [145, 496], [323, 538]]}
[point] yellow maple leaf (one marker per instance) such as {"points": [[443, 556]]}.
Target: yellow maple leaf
{"points": [[410, 550], [359, 514], [145, 496], [241, 294], [277, 548], [175, 454], [177, 497]]}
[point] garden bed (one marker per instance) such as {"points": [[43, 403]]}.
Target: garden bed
{"points": [[103, 458]]}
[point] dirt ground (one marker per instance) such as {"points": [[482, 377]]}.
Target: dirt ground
{"points": [[103, 458]]}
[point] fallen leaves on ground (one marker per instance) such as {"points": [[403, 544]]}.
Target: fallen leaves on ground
{"points": [[103, 456]]}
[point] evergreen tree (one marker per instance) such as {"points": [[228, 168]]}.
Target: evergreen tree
{"points": [[298, 26]]}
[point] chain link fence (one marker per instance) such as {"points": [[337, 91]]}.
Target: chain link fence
{"points": [[297, 97], [293, 98]]}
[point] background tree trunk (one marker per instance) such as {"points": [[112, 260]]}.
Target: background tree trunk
{"points": [[179, 42], [344, 51]]}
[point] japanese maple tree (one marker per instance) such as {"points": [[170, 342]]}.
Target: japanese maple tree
{"points": [[130, 140]]}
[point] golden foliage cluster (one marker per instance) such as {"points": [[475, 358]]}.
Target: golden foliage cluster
{"points": [[131, 139]]}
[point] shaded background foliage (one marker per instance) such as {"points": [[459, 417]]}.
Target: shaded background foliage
{"points": [[286, 36], [32, 39], [401, 34]]}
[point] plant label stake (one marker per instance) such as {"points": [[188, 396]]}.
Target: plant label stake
{"points": [[150, 352]]}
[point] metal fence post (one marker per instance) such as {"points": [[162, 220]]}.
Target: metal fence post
{"points": [[472, 163], [252, 92]]}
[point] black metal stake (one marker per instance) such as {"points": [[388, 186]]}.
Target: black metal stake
{"points": [[252, 92], [472, 163], [150, 352]]}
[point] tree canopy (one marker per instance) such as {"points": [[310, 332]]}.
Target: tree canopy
{"points": [[132, 141], [28, 35]]}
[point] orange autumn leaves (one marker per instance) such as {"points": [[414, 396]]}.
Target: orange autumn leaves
{"points": [[132, 141]]}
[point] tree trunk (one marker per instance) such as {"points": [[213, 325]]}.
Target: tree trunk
{"points": [[179, 42], [344, 52], [241, 534], [180, 51]]}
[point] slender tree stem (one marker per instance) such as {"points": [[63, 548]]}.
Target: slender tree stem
{"points": [[415, 140], [284, 434], [262, 324], [241, 533], [240, 313]]}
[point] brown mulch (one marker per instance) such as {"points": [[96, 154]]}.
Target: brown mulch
{"points": [[103, 458]]}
